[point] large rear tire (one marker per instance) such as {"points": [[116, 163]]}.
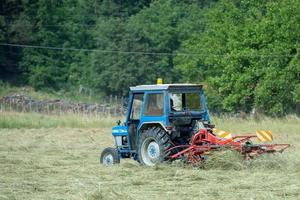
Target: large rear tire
{"points": [[109, 156], [152, 145]]}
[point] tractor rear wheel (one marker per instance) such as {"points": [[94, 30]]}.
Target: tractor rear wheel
{"points": [[152, 145], [109, 156]]}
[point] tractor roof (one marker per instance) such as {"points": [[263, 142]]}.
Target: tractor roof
{"points": [[184, 86]]}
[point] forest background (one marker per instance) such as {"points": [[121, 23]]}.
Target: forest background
{"points": [[246, 53]]}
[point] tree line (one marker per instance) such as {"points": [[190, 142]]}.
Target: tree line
{"points": [[246, 53]]}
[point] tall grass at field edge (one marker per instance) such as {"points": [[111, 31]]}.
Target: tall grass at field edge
{"points": [[36, 120]]}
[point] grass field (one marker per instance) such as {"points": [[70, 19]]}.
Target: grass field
{"points": [[60, 161], [37, 120]]}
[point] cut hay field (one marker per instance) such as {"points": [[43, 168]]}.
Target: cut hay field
{"points": [[60, 161]]}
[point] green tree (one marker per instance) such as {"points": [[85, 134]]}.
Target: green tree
{"points": [[62, 24], [154, 35], [245, 54], [14, 28]]}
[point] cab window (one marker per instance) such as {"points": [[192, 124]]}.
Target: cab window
{"points": [[154, 105], [189, 101], [136, 107]]}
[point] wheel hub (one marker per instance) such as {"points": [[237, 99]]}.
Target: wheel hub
{"points": [[108, 159], [150, 152], [153, 150]]}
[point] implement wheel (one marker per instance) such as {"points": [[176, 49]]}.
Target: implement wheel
{"points": [[152, 145], [109, 156]]}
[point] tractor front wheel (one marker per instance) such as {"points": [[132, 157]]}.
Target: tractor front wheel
{"points": [[109, 156], [153, 143]]}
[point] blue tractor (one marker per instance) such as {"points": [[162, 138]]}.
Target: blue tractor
{"points": [[158, 117]]}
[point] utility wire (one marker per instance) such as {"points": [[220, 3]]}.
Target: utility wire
{"points": [[142, 52], [94, 50], [59, 25]]}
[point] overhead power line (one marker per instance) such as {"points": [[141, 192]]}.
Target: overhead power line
{"points": [[143, 52], [94, 50], [91, 50]]}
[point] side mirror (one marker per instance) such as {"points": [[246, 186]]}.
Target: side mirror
{"points": [[119, 122], [212, 126]]}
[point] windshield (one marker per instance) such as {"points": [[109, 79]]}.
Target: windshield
{"points": [[188, 101]]}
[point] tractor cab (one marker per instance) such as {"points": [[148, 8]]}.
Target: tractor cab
{"points": [[159, 117]]}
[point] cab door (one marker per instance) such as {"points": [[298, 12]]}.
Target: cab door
{"points": [[134, 116], [154, 108]]}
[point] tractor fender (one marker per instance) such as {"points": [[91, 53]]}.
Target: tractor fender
{"points": [[146, 125]]}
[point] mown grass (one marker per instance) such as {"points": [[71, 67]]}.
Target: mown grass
{"points": [[63, 163]]}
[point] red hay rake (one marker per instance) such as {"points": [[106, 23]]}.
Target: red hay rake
{"points": [[206, 141]]}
